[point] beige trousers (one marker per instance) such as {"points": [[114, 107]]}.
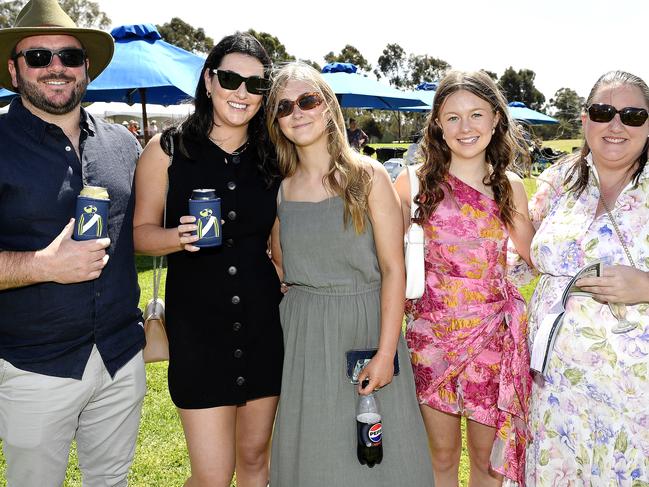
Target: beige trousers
{"points": [[40, 415]]}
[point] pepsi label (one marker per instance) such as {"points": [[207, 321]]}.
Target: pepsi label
{"points": [[369, 429], [374, 433]]}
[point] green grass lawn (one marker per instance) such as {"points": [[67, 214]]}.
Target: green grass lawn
{"points": [[161, 457], [565, 145]]}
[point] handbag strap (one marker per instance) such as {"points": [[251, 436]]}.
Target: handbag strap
{"points": [[615, 227], [158, 261], [414, 188]]}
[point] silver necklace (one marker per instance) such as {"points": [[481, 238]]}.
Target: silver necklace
{"points": [[234, 153]]}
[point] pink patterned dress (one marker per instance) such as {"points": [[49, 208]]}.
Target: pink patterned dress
{"points": [[468, 333]]}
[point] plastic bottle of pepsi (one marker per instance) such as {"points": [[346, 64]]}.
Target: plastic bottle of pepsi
{"points": [[369, 430]]}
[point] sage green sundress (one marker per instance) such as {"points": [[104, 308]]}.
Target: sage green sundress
{"points": [[332, 306]]}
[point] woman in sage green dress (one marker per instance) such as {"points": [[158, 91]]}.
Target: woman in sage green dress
{"points": [[343, 262]]}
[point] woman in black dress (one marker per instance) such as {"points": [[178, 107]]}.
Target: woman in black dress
{"points": [[222, 302]]}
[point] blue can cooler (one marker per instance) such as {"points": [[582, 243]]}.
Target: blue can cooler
{"points": [[206, 207], [91, 214]]}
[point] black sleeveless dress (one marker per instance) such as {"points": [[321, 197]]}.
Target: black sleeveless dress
{"points": [[222, 316]]}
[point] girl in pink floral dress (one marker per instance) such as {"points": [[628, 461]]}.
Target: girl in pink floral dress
{"points": [[467, 334]]}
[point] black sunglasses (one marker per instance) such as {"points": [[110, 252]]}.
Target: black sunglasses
{"points": [[633, 117], [71, 57], [230, 80], [306, 101]]}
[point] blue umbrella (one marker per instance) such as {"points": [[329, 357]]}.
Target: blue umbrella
{"points": [[145, 69], [356, 91], [424, 91], [427, 86], [145, 66], [519, 111]]}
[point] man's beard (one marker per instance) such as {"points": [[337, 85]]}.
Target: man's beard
{"points": [[36, 97]]}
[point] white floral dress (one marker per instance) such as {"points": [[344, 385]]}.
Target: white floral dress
{"points": [[590, 416]]}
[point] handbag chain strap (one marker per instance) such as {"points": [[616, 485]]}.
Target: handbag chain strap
{"points": [[414, 188], [615, 227], [158, 261]]}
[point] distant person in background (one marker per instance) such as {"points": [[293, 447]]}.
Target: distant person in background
{"points": [[355, 135], [134, 128], [413, 154], [153, 128], [590, 413], [468, 332]]}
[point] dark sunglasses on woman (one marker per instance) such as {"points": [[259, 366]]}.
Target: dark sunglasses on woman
{"points": [[602, 113], [71, 57], [306, 101], [229, 80]]}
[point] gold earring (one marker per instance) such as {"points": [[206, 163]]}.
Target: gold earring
{"points": [[493, 130], [209, 93]]}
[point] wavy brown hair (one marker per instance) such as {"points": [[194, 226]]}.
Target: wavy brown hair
{"points": [[348, 176], [580, 171], [505, 150]]}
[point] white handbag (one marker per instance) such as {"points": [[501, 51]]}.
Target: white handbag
{"points": [[413, 242]]}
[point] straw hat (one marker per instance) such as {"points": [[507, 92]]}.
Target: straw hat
{"points": [[46, 17]]}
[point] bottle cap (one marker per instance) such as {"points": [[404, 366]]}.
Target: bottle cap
{"points": [[96, 192], [203, 194]]}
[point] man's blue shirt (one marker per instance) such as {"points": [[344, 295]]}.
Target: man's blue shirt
{"points": [[50, 328]]}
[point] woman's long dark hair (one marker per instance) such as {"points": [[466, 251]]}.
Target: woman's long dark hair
{"points": [[580, 171], [505, 149], [199, 124]]}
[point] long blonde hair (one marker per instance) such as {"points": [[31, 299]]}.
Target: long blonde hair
{"points": [[347, 176]]}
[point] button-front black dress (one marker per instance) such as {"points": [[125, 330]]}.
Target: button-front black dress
{"points": [[225, 339]]}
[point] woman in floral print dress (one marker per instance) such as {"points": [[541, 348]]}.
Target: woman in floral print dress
{"points": [[590, 414], [468, 333]]}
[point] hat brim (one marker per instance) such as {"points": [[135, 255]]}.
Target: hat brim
{"points": [[99, 46]]}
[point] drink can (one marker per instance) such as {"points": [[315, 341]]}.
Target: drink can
{"points": [[91, 213], [206, 207]]}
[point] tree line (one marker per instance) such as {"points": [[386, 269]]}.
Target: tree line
{"points": [[401, 69]]}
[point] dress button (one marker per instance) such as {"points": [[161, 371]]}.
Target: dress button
{"points": [[240, 381], [232, 215], [229, 242], [236, 326], [232, 270], [236, 299], [68, 148], [232, 185], [238, 353], [236, 159]]}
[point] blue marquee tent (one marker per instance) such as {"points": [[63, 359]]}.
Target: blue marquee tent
{"points": [[519, 111], [357, 91]]}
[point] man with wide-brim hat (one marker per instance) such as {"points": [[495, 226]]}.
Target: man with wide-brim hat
{"points": [[70, 330], [47, 17]]}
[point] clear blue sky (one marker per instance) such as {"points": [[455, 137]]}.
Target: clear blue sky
{"points": [[568, 43]]}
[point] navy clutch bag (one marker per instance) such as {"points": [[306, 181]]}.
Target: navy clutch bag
{"points": [[357, 359]]}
